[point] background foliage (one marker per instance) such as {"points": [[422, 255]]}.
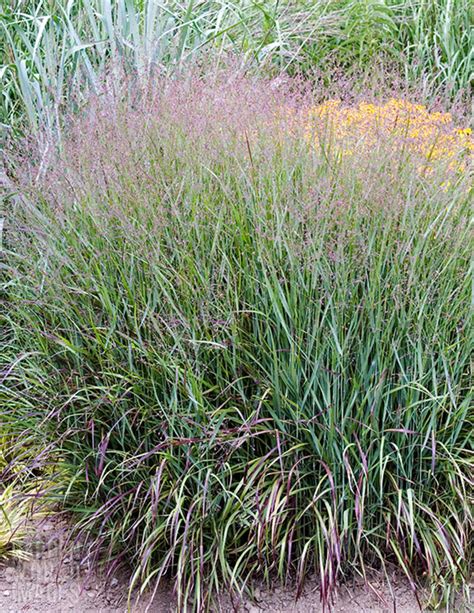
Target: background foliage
{"points": [[53, 49]]}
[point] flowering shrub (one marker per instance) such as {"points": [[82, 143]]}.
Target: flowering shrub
{"points": [[355, 129]]}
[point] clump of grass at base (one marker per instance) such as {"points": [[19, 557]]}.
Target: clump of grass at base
{"points": [[253, 353], [19, 491], [26, 485], [15, 511]]}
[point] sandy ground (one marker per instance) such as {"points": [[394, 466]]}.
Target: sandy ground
{"points": [[53, 581]]}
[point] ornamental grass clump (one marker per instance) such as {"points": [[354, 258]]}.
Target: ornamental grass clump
{"points": [[252, 356]]}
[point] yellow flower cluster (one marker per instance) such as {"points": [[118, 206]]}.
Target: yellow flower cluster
{"points": [[411, 127]]}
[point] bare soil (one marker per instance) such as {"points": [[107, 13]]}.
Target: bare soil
{"points": [[54, 581]]}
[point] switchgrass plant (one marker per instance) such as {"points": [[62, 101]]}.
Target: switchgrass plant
{"points": [[54, 51], [251, 352]]}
